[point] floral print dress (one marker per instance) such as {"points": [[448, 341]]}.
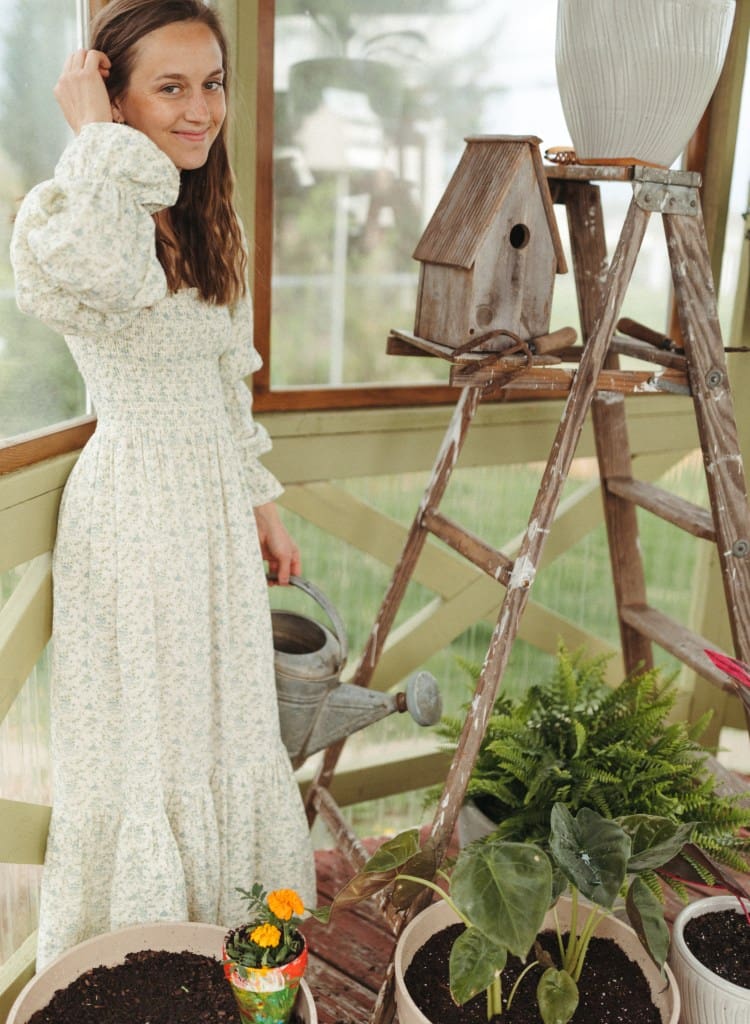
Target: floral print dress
{"points": [[171, 786]]}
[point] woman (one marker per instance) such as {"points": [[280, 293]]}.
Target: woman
{"points": [[171, 785]]}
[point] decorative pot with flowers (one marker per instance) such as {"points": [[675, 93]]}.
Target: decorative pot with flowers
{"points": [[265, 958]]}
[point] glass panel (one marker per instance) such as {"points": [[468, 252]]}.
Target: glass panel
{"points": [[39, 383]]}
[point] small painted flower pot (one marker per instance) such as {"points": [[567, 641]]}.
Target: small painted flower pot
{"points": [[266, 995]]}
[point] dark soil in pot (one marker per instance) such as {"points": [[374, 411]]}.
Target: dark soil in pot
{"points": [[150, 986], [613, 989], [720, 939]]}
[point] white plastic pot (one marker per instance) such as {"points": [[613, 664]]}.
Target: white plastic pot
{"points": [[439, 915], [635, 76], [706, 998], [112, 948]]}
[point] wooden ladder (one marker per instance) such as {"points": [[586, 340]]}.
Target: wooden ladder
{"points": [[697, 368]]}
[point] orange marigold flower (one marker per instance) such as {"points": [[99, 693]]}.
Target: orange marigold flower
{"points": [[285, 902], [266, 935]]}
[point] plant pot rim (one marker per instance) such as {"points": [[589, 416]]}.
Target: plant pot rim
{"points": [[706, 905], [445, 916], [110, 948]]}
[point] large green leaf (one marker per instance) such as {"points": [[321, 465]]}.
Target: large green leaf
{"points": [[474, 961], [422, 865], [654, 840], [394, 852], [504, 890], [646, 915], [557, 995], [591, 850]]}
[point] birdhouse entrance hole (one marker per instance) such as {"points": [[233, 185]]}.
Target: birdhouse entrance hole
{"points": [[519, 236]]}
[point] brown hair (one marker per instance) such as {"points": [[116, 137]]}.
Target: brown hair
{"points": [[211, 254]]}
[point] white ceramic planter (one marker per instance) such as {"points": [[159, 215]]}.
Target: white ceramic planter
{"points": [[635, 76], [706, 998], [439, 915], [111, 949]]}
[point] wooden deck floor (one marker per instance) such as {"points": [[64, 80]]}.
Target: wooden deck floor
{"points": [[349, 957]]}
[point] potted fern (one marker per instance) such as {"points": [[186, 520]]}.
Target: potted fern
{"points": [[574, 739]]}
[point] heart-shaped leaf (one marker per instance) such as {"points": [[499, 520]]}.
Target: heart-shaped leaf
{"points": [[655, 840], [557, 995], [646, 914], [592, 851], [474, 961], [504, 890]]}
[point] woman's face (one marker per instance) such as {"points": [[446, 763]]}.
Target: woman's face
{"points": [[176, 92]]}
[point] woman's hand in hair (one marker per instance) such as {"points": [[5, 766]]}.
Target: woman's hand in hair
{"points": [[276, 546], [81, 91]]}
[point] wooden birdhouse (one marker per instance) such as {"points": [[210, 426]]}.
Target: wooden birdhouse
{"points": [[490, 252]]}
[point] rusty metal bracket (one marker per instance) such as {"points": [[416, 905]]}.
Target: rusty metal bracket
{"points": [[656, 197], [659, 190]]}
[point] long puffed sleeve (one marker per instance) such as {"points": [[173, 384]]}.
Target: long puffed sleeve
{"points": [[83, 247], [236, 363]]}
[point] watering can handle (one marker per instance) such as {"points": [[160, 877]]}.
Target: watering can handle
{"points": [[317, 595]]}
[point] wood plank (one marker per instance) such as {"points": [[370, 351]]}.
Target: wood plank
{"points": [[714, 413], [560, 380], [339, 998], [25, 628], [491, 561], [23, 836], [16, 972], [588, 244], [39, 445], [28, 530], [671, 507], [382, 778], [680, 641]]}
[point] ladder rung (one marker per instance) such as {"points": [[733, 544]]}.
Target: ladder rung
{"points": [[686, 646], [486, 558], [689, 517]]}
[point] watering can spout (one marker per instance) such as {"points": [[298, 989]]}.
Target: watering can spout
{"points": [[315, 708]]}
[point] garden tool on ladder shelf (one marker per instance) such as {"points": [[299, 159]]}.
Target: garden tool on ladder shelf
{"points": [[315, 708]]}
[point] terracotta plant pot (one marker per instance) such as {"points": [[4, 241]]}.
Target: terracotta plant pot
{"points": [[439, 915], [706, 998], [635, 76], [266, 995], [112, 948]]}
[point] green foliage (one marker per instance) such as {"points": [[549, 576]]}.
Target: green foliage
{"points": [[575, 740], [502, 890]]}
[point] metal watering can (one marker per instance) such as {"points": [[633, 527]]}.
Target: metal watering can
{"points": [[315, 709]]}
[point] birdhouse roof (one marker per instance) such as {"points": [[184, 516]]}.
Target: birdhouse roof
{"points": [[474, 195]]}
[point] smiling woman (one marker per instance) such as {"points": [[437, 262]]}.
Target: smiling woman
{"points": [[171, 785], [182, 110]]}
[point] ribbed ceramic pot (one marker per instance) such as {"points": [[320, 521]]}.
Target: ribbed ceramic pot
{"points": [[706, 998], [664, 991], [635, 76]]}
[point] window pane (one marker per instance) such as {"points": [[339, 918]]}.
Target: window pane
{"points": [[39, 383]]}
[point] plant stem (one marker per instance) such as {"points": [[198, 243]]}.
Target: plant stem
{"points": [[494, 998], [519, 979], [441, 893]]}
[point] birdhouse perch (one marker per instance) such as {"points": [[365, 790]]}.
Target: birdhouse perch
{"points": [[491, 250]]}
